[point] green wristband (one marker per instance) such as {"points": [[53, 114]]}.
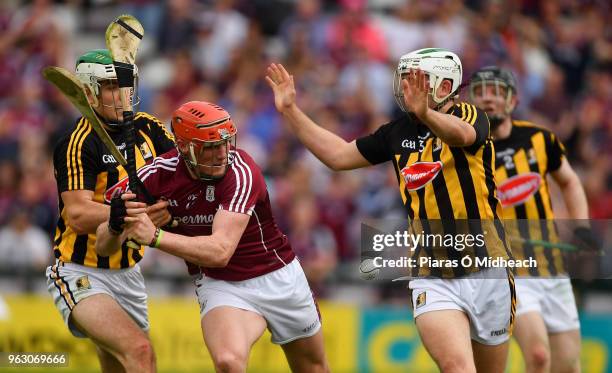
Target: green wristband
{"points": [[158, 240]]}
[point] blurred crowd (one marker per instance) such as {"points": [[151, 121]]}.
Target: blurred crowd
{"points": [[342, 55]]}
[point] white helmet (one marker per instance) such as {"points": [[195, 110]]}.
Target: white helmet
{"points": [[96, 66], [438, 64]]}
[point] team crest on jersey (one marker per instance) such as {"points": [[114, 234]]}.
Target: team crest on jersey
{"points": [[210, 193], [421, 299], [419, 174], [437, 145], [145, 151], [518, 189], [83, 283]]}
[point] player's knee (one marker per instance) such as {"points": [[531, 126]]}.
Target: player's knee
{"points": [[313, 365], [141, 352], [320, 367], [569, 365], [539, 358], [457, 364], [229, 361]]}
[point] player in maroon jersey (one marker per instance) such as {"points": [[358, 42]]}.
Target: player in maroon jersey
{"points": [[246, 274]]}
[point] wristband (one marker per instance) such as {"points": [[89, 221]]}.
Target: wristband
{"points": [[156, 240]]}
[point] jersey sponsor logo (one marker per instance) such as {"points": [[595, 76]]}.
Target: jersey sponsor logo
{"points": [[210, 193], [419, 174], [518, 189], [116, 190], [191, 199], [198, 219], [496, 333], [310, 327]]}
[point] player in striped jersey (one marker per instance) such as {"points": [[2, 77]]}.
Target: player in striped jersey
{"points": [[246, 274], [443, 158], [102, 297], [547, 326]]}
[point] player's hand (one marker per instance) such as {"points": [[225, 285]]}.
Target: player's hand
{"points": [[416, 92], [282, 85], [117, 215], [586, 239], [159, 214], [138, 225]]}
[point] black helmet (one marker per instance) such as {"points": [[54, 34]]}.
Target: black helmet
{"points": [[499, 77], [493, 74]]}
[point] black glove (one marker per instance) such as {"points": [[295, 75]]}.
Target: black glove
{"points": [[586, 239], [117, 215]]}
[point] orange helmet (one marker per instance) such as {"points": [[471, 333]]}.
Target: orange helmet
{"points": [[205, 136]]}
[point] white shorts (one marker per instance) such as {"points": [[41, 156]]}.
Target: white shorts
{"points": [[69, 283], [552, 298], [282, 297], [485, 296]]}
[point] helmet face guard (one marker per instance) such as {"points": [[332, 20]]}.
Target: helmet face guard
{"points": [[504, 85], [438, 64], [206, 138], [207, 160], [96, 71]]}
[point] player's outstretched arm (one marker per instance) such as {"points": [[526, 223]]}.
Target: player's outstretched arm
{"points": [[331, 149], [572, 190], [207, 251], [449, 128]]}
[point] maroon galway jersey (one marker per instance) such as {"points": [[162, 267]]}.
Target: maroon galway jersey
{"points": [[263, 248]]}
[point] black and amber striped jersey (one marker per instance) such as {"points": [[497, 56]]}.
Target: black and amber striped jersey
{"points": [[82, 162], [522, 162], [443, 183]]}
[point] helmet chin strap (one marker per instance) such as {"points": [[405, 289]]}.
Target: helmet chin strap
{"points": [[446, 100], [496, 120]]}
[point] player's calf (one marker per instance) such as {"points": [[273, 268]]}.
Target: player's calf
{"points": [[307, 354], [565, 351]]}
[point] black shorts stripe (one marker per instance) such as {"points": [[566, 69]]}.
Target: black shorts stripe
{"points": [[512, 301], [59, 289], [65, 283]]}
